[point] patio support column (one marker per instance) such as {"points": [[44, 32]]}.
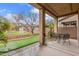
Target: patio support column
{"points": [[56, 25], [78, 28], [42, 26]]}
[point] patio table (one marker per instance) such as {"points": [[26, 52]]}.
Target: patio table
{"points": [[62, 36]]}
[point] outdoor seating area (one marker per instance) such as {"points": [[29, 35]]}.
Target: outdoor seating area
{"points": [[40, 30], [61, 37]]}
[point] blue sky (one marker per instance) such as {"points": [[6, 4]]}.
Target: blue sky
{"points": [[14, 8], [8, 9]]}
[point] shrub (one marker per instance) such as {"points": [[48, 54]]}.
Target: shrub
{"points": [[4, 27]]}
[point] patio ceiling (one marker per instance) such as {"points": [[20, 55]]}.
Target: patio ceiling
{"points": [[59, 9]]}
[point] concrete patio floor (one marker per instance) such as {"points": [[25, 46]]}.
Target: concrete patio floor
{"points": [[52, 49]]}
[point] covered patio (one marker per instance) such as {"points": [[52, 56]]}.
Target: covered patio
{"points": [[59, 12]]}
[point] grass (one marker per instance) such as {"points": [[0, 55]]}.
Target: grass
{"points": [[13, 45], [16, 33]]}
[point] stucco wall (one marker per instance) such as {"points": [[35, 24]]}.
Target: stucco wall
{"points": [[72, 30]]}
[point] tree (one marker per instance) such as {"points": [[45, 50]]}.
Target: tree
{"points": [[17, 17], [51, 27], [29, 18], [49, 24], [20, 17], [32, 21], [4, 27]]}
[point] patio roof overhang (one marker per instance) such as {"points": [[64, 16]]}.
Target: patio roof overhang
{"points": [[56, 10], [59, 9]]}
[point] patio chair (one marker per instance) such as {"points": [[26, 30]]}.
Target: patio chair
{"points": [[60, 37], [55, 36], [66, 38]]}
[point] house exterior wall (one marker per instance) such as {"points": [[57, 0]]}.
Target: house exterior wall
{"points": [[72, 30]]}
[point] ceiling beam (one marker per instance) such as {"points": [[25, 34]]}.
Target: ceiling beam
{"points": [[47, 9], [71, 7]]}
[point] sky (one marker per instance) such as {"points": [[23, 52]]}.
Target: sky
{"points": [[8, 9], [14, 8]]}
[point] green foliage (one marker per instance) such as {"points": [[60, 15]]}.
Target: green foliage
{"points": [[4, 27], [12, 45], [50, 33], [16, 33], [51, 25], [3, 37]]}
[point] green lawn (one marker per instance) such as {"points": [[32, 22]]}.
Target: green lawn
{"points": [[19, 33], [12, 45]]}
